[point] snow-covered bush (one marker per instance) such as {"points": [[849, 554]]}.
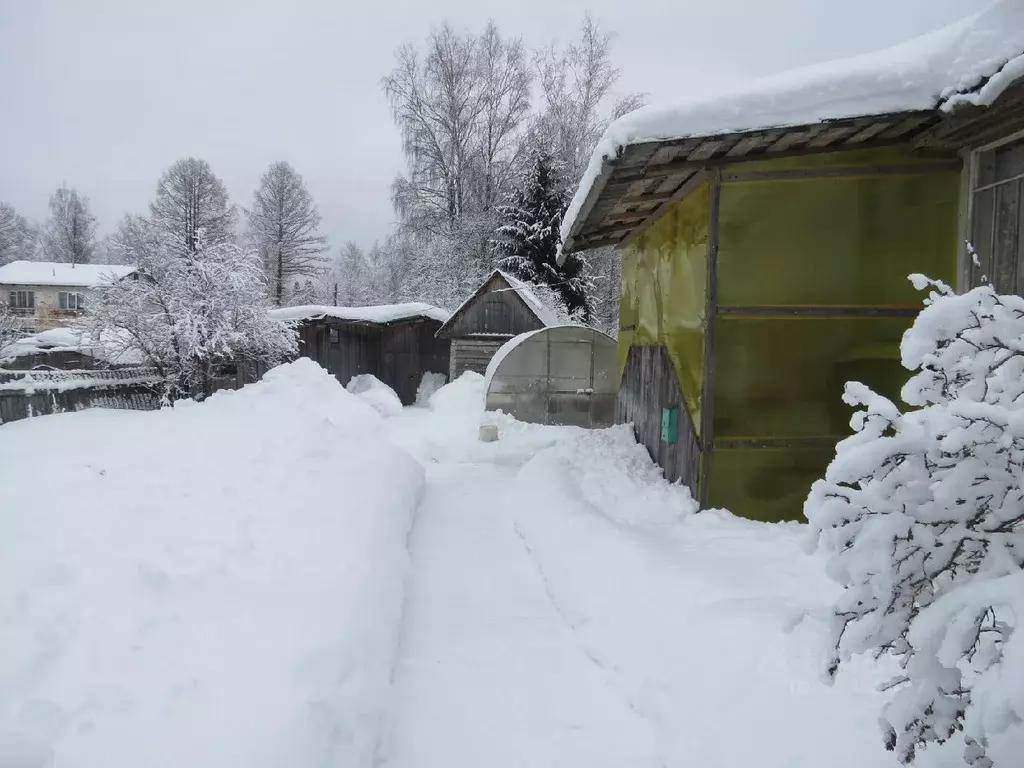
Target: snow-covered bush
{"points": [[922, 514], [187, 314]]}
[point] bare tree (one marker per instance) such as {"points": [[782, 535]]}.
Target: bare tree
{"points": [[460, 108], [283, 224], [69, 235], [15, 235], [190, 199], [577, 86]]}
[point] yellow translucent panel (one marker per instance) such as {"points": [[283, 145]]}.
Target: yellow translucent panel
{"points": [[784, 378], [768, 484], [857, 158], [836, 241], [664, 284]]}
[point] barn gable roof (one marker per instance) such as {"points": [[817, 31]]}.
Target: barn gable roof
{"points": [[544, 314]]}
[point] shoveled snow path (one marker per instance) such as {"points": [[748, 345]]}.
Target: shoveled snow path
{"points": [[488, 669]]}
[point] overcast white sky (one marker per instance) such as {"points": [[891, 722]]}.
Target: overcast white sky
{"points": [[105, 94]]}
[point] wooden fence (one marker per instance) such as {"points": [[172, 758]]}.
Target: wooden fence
{"points": [[41, 392]]}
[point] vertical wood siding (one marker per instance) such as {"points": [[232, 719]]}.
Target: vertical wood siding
{"points": [[497, 310], [397, 354], [649, 384]]}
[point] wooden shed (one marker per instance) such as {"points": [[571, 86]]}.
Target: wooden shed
{"points": [[767, 237], [501, 308], [397, 343]]}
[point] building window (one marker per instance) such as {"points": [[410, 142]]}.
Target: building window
{"points": [[22, 300], [68, 300], [334, 336], [997, 217]]}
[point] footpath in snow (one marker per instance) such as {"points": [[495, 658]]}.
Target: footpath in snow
{"points": [[567, 608]]}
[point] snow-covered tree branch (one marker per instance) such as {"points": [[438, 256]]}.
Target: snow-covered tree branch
{"points": [[922, 514], [187, 315]]}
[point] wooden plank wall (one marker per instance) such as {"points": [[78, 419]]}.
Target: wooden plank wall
{"points": [[469, 354], [649, 384], [499, 310], [397, 354]]}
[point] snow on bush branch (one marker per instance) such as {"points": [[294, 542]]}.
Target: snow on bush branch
{"points": [[922, 514], [187, 313]]}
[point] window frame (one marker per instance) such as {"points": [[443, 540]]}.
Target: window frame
{"points": [[972, 190], [15, 296], [66, 298]]}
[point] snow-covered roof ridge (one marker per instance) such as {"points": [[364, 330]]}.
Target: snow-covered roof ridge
{"points": [[60, 274], [969, 62], [544, 313], [381, 313]]}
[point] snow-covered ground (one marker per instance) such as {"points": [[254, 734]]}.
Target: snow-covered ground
{"points": [[226, 584], [214, 585]]}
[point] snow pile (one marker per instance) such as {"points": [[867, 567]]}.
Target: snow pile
{"points": [[695, 622], [382, 314], [376, 394], [429, 384], [217, 584], [61, 275], [973, 61], [463, 397]]}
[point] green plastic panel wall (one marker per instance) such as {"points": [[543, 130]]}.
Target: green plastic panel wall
{"points": [[664, 292]]}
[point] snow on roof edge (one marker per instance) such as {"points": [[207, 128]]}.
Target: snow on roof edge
{"points": [[380, 313], [970, 61], [57, 274]]}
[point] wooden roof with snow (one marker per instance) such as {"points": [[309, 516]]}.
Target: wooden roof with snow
{"points": [[960, 86], [503, 306]]}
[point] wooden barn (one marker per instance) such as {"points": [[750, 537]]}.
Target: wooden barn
{"points": [[397, 343], [502, 307], [767, 237]]}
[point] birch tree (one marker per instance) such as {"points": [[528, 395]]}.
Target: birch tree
{"points": [[69, 235], [284, 228], [191, 200], [15, 235]]}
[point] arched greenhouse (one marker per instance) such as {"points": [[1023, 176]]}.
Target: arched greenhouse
{"points": [[565, 375]]}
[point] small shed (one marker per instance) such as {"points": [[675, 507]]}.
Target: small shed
{"points": [[397, 343], [565, 375], [766, 238], [501, 308]]}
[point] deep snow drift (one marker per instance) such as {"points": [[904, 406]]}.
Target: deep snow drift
{"points": [[218, 584]]}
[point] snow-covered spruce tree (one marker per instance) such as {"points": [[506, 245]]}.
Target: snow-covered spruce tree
{"points": [[529, 235], [283, 227], [187, 314], [189, 199], [16, 237], [69, 235], [922, 514]]}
